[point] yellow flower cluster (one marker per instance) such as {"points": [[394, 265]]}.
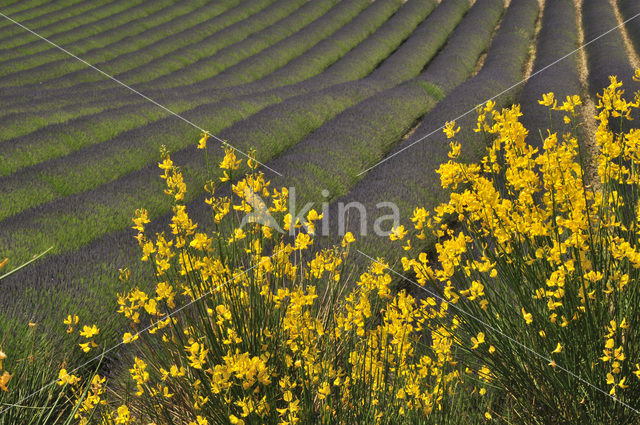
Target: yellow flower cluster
{"points": [[6, 376], [526, 241], [277, 332], [87, 332], [88, 399], [273, 333]]}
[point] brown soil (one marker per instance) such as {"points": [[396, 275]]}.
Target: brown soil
{"points": [[588, 124], [532, 50], [631, 52]]}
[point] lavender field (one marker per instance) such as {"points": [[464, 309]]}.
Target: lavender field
{"points": [[323, 90]]}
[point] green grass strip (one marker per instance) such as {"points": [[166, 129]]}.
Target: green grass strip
{"points": [[148, 31], [98, 129], [274, 139], [357, 64], [94, 49], [20, 78], [90, 12], [13, 6], [110, 17], [43, 13], [251, 36], [184, 32]]}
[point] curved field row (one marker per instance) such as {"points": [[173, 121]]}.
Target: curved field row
{"points": [[242, 30], [331, 157], [168, 133], [558, 38], [412, 7], [41, 15], [20, 6], [322, 89], [197, 14], [26, 151], [409, 177], [244, 34], [630, 9], [259, 22], [300, 68], [30, 9], [350, 53], [131, 151], [70, 29], [293, 37], [375, 48], [171, 12], [255, 25], [168, 94], [606, 56], [309, 63], [13, 98]]}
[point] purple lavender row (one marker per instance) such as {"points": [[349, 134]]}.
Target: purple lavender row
{"points": [[371, 47], [312, 61], [85, 25], [236, 54], [227, 67], [87, 77], [606, 56], [38, 14], [559, 39], [216, 34], [51, 141], [146, 23], [47, 17], [30, 9], [254, 65], [408, 179], [127, 37], [630, 9], [322, 105], [341, 148], [229, 46], [66, 272], [144, 141], [112, 28]]}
